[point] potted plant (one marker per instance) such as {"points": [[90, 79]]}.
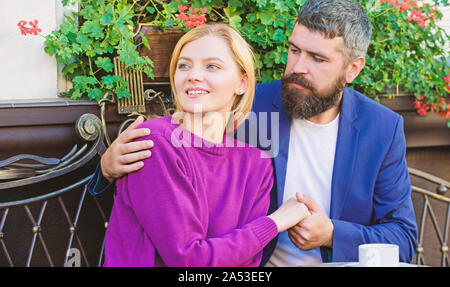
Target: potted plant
{"points": [[407, 55], [86, 42]]}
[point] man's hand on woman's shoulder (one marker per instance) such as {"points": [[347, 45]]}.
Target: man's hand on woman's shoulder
{"points": [[126, 155]]}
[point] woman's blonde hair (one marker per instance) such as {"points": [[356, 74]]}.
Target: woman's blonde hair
{"points": [[242, 55]]}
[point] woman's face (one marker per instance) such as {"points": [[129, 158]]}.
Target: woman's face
{"points": [[207, 78]]}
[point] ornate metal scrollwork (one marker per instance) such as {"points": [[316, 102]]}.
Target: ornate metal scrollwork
{"points": [[88, 127]]}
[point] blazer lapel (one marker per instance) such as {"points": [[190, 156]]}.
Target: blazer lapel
{"points": [[345, 155], [280, 133]]}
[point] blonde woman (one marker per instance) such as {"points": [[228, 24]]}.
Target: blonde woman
{"points": [[202, 198]]}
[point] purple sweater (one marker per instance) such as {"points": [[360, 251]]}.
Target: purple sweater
{"points": [[192, 204]]}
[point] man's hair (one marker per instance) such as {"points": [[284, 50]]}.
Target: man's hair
{"points": [[338, 18]]}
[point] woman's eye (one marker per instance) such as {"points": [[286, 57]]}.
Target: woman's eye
{"points": [[212, 67], [182, 66]]}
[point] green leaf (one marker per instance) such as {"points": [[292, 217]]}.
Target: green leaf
{"points": [[122, 92], [278, 35], [150, 10], [128, 54], [108, 16], [235, 21], [67, 28], [75, 93], [104, 63], [70, 69], [93, 29], [95, 94], [235, 3], [169, 22], [111, 81], [84, 41], [145, 41], [83, 82]]}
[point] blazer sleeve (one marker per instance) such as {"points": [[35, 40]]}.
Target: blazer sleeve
{"points": [[393, 218], [174, 214]]}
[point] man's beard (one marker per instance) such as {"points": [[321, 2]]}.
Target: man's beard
{"points": [[307, 103]]}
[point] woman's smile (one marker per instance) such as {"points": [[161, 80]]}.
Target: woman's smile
{"points": [[195, 92]]}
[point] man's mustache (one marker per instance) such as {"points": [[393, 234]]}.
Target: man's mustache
{"points": [[297, 79]]}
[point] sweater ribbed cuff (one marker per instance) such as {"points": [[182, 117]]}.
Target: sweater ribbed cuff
{"points": [[265, 230]]}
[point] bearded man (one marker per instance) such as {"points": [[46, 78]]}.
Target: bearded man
{"points": [[344, 152]]}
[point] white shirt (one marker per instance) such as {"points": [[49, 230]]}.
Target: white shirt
{"points": [[309, 171]]}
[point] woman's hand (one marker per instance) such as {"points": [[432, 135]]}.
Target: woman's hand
{"points": [[289, 214]]}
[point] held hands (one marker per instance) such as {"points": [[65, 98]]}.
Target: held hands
{"points": [[126, 155], [289, 214], [315, 231]]}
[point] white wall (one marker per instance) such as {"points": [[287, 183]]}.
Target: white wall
{"points": [[26, 71], [445, 23]]}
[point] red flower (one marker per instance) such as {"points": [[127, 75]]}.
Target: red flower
{"points": [[406, 5], [421, 111], [416, 104], [447, 79], [34, 28], [433, 108], [25, 30], [189, 24], [193, 18], [182, 17]]}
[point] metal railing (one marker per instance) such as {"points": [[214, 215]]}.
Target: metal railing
{"points": [[428, 210], [14, 174]]}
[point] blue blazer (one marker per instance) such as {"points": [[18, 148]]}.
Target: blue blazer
{"points": [[371, 190]]}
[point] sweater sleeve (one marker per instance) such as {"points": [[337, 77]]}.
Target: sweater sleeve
{"points": [[175, 218]]}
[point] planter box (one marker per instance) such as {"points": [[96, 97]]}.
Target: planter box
{"points": [[161, 44], [420, 131]]}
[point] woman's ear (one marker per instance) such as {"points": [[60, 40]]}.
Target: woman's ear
{"points": [[354, 68], [243, 85]]}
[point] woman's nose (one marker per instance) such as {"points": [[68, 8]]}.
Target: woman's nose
{"points": [[195, 75]]}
